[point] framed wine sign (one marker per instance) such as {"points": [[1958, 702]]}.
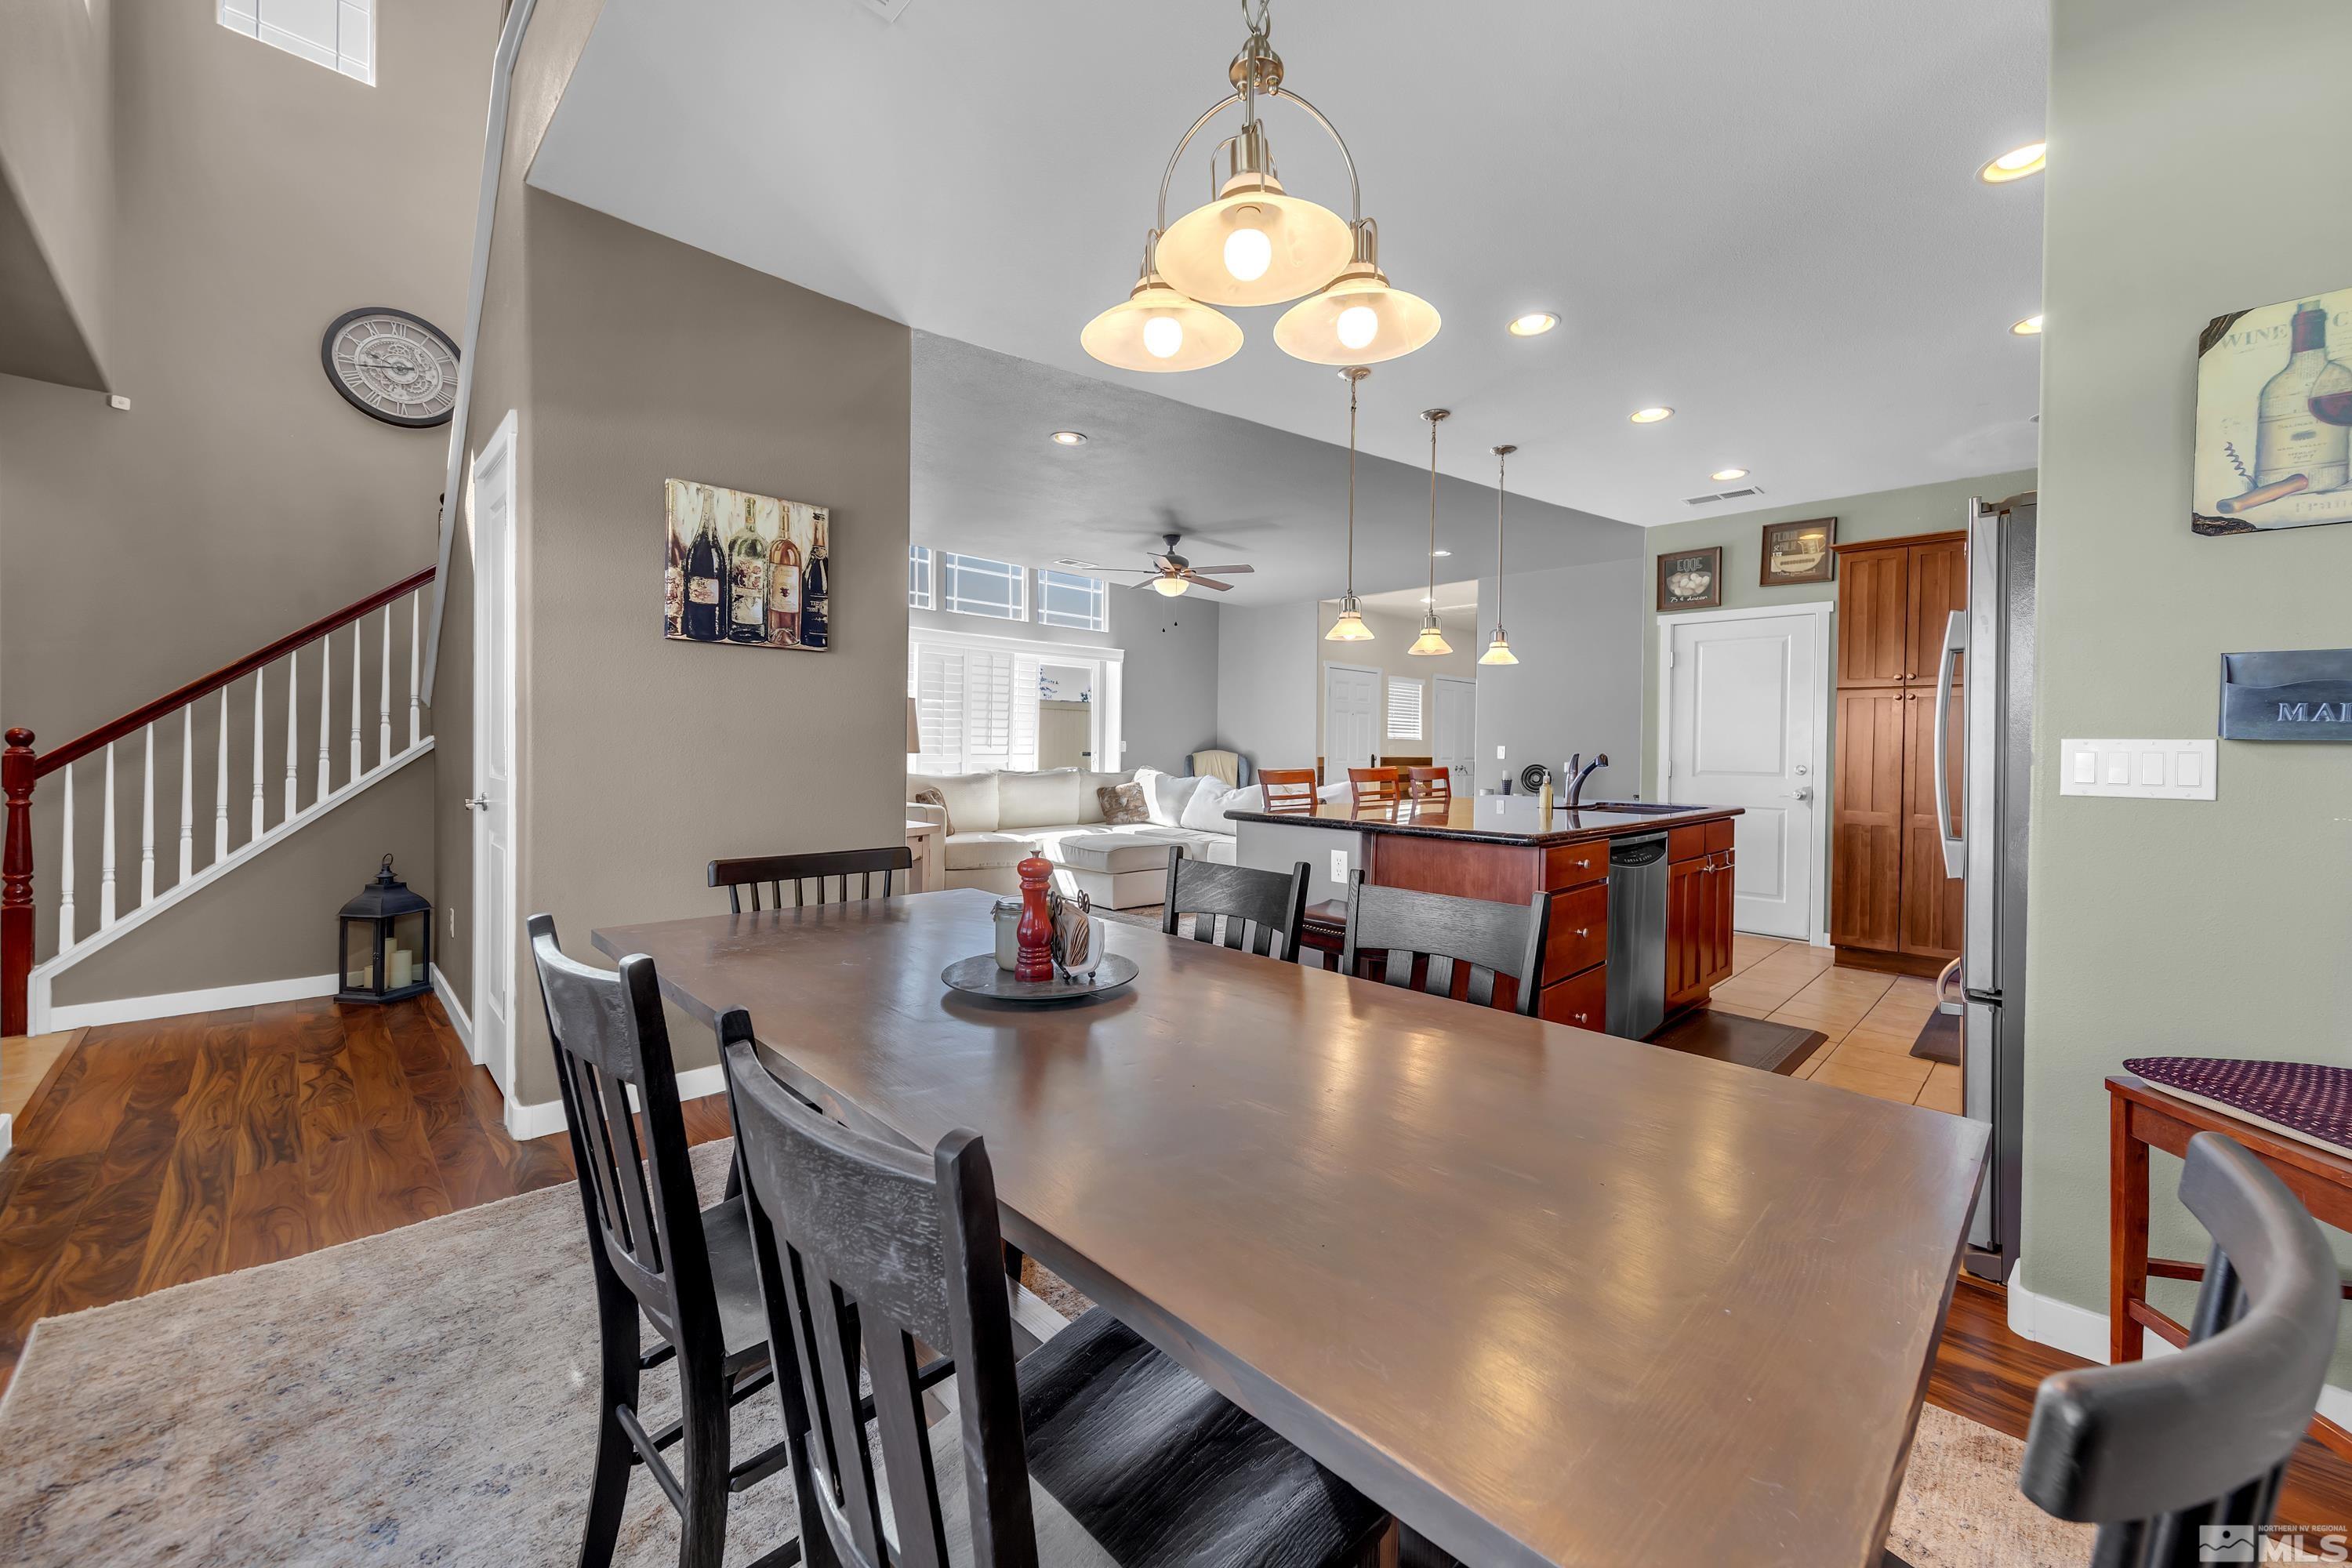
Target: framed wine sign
{"points": [[2274, 417], [746, 568]]}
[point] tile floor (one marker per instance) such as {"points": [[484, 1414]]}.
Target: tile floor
{"points": [[1870, 1018]]}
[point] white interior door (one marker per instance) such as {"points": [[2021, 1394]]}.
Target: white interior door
{"points": [[1453, 741], [1742, 725], [494, 753], [1352, 718]]}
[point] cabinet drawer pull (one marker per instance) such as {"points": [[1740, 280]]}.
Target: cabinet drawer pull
{"points": [[1581, 1017], [1583, 931]]}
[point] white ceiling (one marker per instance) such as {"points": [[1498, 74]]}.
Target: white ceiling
{"points": [[1765, 215], [1452, 598]]}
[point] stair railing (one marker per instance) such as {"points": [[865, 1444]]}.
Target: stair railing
{"points": [[21, 768]]}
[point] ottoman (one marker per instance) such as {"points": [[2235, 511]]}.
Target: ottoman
{"points": [[1117, 870]]}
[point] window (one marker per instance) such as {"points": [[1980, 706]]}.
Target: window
{"points": [[974, 585], [975, 708], [919, 577], [1404, 708], [1066, 599], [337, 34]]}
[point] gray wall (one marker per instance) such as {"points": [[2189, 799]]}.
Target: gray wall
{"points": [[641, 758], [2159, 928], [57, 188], [1576, 630], [1266, 682]]}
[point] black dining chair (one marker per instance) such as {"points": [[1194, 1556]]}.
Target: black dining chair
{"points": [[1262, 911], [1444, 945], [1094, 1449], [821, 866], [689, 1270]]}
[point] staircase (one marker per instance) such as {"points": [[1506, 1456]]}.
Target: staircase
{"points": [[282, 676]]}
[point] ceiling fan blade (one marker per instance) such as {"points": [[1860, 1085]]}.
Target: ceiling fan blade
{"points": [[1165, 563], [1206, 582], [1139, 570], [1228, 570]]}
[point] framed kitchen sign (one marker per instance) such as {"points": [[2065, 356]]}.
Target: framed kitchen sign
{"points": [[1691, 579], [2273, 417], [1798, 551], [747, 569]]}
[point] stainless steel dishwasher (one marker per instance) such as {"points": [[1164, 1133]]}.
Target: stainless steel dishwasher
{"points": [[1637, 934]]}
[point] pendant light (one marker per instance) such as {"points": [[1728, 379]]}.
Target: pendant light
{"points": [[1254, 243], [1156, 328], [1498, 651], [1349, 627], [1432, 640]]}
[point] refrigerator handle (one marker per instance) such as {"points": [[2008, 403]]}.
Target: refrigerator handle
{"points": [[1956, 642]]}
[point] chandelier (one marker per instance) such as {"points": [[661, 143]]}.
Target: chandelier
{"points": [[1254, 243]]}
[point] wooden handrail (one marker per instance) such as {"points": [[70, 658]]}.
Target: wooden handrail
{"points": [[172, 701]]}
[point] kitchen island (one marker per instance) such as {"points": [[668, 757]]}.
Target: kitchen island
{"points": [[1508, 849]]}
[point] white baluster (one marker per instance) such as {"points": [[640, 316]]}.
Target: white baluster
{"points": [[187, 791], [357, 767], [258, 828], [106, 848], [147, 824], [64, 870], [326, 712], [220, 788], [415, 722], [383, 697], [293, 727]]}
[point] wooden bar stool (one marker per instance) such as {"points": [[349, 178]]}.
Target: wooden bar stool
{"points": [[1288, 789], [1375, 786], [1429, 788], [2143, 1115]]}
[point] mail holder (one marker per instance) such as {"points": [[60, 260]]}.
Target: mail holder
{"points": [[2293, 694]]}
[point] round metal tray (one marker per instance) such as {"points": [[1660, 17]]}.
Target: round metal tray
{"points": [[979, 976]]}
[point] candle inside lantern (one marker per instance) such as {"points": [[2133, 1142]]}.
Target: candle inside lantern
{"points": [[400, 966]]}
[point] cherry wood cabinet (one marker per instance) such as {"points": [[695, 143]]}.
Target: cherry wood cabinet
{"points": [[1890, 900], [1699, 910]]}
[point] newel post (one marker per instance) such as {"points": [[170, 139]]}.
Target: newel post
{"points": [[17, 778]]}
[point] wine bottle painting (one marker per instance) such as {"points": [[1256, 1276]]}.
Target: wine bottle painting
{"points": [[2274, 417], [746, 568]]}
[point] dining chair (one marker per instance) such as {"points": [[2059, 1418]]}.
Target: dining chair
{"points": [[1263, 912], [1429, 787], [1094, 1449], [1288, 789], [1444, 945], [773, 871], [689, 1270], [1375, 786]]}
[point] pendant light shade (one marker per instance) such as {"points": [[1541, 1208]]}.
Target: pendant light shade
{"points": [[1360, 319], [1256, 244], [1350, 626], [1498, 651], [1156, 328], [1432, 640]]}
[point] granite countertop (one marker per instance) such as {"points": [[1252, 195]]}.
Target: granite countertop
{"points": [[1498, 819]]}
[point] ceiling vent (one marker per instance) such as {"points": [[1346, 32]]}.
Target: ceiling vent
{"points": [[886, 9], [1741, 494]]}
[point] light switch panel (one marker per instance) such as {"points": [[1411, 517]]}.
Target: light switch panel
{"points": [[2139, 770]]}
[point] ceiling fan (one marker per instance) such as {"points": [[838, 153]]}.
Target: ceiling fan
{"points": [[1171, 574]]}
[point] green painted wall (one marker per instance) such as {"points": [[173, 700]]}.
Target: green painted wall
{"points": [[2220, 928]]}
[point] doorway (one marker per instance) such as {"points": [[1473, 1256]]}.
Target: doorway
{"points": [[1352, 718], [1741, 723], [492, 802], [1453, 745]]}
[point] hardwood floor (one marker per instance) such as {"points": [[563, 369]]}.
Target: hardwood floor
{"points": [[168, 1152]]}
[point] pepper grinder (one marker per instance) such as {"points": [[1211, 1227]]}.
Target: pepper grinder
{"points": [[1035, 959]]}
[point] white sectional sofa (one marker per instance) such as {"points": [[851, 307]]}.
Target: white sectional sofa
{"points": [[994, 820]]}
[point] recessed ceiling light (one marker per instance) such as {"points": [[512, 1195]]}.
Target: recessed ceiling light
{"points": [[1651, 415], [2029, 328], [1441, 553], [1068, 438], [2015, 164], [1534, 324], [1728, 475]]}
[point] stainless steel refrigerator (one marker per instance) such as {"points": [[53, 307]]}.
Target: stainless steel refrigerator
{"points": [[1989, 649]]}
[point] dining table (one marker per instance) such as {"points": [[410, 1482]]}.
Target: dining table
{"points": [[1548, 1296]]}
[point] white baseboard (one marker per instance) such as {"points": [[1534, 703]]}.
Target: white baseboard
{"points": [[525, 1121], [456, 1011], [7, 1135], [172, 1004], [2078, 1331]]}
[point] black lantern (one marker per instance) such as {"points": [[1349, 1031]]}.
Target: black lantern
{"points": [[387, 939]]}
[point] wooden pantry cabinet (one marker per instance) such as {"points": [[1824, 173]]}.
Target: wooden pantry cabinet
{"points": [[1891, 905]]}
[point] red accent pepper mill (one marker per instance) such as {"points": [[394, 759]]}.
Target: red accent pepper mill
{"points": [[1036, 928]]}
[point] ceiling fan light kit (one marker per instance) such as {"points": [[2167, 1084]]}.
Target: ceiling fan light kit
{"points": [[1498, 651], [1432, 640], [1254, 243]]}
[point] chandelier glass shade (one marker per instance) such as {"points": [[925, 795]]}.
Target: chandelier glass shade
{"points": [[1358, 318], [1158, 327], [1255, 245]]}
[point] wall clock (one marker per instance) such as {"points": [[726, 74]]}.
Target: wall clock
{"points": [[392, 365]]}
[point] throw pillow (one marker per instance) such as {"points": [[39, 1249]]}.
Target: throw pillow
{"points": [[1168, 794], [1205, 811], [1123, 803], [930, 796]]}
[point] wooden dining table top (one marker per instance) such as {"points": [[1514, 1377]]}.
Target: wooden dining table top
{"points": [[1548, 1296]]}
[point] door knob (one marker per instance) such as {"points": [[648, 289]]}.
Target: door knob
{"points": [[477, 802], [1800, 793]]}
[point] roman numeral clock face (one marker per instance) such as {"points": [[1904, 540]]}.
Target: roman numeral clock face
{"points": [[399, 368]]}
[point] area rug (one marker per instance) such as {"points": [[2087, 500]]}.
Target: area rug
{"points": [[1746, 1042], [427, 1396], [1939, 1038]]}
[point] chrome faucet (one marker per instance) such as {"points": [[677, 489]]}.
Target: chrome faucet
{"points": [[1579, 771]]}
